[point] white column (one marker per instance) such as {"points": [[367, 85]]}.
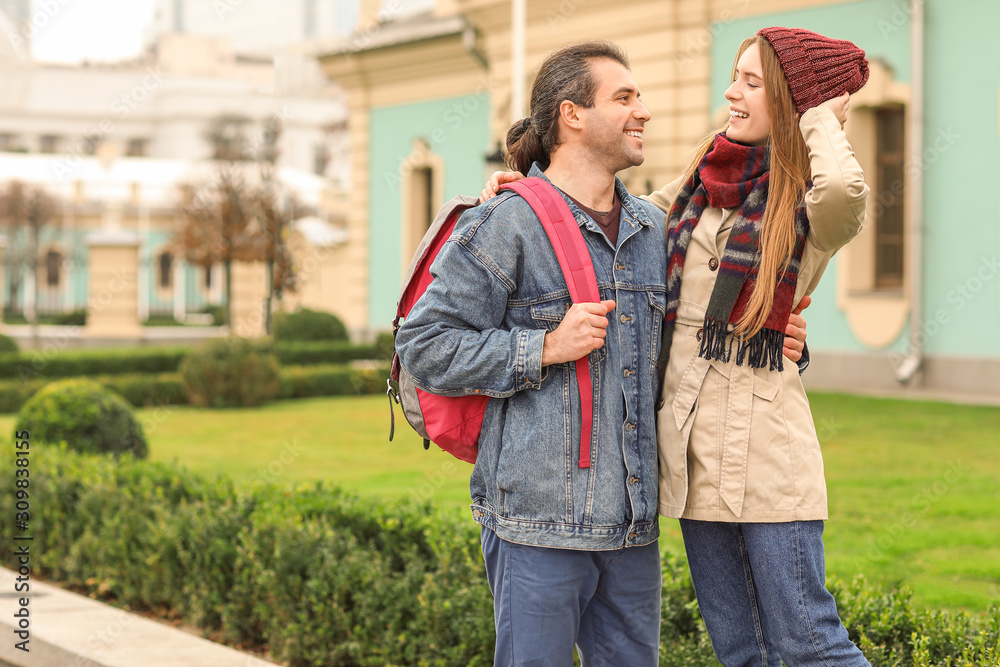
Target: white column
{"points": [[517, 30], [180, 293], [145, 264], [30, 288]]}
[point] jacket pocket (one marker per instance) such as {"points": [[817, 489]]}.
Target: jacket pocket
{"points": [[761, 387], [549, 315]]}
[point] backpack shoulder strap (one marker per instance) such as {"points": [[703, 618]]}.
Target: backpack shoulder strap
{"points": [[564, 234], [578, 270]]}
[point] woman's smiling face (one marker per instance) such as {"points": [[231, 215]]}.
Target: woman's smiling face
{"points": [[749, 122]]}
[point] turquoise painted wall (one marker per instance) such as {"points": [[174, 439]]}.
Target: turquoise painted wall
{"points": [[962, 157], [457, 129], [961, 161]]}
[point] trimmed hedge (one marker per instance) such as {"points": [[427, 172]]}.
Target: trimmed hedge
{"points": [[319, 576], [303, 382], [52, 364], [7, 344], [167, 389], [231, 372], [307, 324], [85, 414], [304, 353], [322, 577], [57, 363]]}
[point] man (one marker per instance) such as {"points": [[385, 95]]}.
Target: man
{"points": [[571, 552]]}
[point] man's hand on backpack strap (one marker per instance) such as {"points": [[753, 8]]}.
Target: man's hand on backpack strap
{"points": [[581, 332]]}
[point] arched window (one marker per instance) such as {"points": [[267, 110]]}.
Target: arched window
{"points": [[53, 268], [890, 184], [165, 270], [872, 288], [423, 180]]}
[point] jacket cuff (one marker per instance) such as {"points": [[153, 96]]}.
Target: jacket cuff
{"points": [[529, 359], [803, 362]]}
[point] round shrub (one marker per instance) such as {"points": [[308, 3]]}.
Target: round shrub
{"points": [[85, 415], [231, 372], [306, 324], [7, 344]]}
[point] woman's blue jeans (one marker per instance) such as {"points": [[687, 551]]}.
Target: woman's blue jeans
{"points": [[546, 600], [762, 591]]}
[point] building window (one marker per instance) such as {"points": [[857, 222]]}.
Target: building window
{"points": [[890, 182], [89, 144], [423, 199], [321, 158], [422, 177], [227, 134], [166, 270], [9, 142], [208, 277], [137, 148], [53, 266], [49, 143]]}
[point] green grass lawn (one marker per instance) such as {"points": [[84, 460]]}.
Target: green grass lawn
{"points": [[913, 485]]}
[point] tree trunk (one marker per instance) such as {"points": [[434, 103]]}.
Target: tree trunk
{"points": [[228, 265], [269, 300], [31, 288]]}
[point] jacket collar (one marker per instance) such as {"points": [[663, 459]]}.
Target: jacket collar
{"points": [[634, 211]]}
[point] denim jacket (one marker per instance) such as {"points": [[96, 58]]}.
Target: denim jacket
{"points": [[479, 329]]}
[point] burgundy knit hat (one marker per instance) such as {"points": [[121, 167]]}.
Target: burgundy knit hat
{"points": [[817, 68]]}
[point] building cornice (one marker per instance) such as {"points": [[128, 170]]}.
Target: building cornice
{"points": [[405, 50]]}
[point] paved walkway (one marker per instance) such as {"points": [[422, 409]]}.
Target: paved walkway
{"points": [[70, 630]]}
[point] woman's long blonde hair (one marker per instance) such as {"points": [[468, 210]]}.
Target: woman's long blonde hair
{"points": [[789, 173]]}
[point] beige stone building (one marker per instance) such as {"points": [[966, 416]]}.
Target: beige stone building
{"points": [[431, 95]]}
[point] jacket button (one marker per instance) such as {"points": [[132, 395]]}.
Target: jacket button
{"points": [[700, 334], [629, 426], [633, 536], [713, 264], [634, 480], [624, 318], [627, 372], [619, 267]]}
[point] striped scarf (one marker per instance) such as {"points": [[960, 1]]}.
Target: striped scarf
{"points": [[732, 175]]}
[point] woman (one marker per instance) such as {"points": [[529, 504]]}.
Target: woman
{"points": [[740, 462], [760, 211]]}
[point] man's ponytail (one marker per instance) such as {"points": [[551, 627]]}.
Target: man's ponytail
{"points": [[524, 147]]}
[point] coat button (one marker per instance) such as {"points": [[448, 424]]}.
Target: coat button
{"points": [[627, 372], [713, 264], [619, 267], [624, 318], [700, 334]]}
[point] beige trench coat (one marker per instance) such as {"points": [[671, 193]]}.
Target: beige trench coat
{"points": [[739, 443]]}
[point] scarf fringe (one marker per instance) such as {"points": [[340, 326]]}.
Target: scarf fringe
{"points": [[716, 345], [764, 350]]}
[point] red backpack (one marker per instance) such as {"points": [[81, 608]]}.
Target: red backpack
{"points": [[454, 423]]}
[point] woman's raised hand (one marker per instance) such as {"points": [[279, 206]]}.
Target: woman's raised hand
{"points": [[496, 180], [839, 106]]}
